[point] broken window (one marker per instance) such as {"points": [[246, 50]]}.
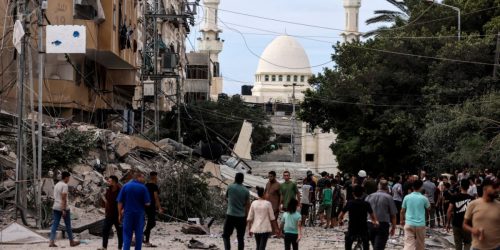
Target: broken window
{"points": [[197, 72], [88, 10]]}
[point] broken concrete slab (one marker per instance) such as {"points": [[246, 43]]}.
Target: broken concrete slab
{"points": [[124, 144], [18, 234], [82, 169], [125, 166]]}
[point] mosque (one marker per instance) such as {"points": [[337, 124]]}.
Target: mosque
{"points": [[281, 78]]}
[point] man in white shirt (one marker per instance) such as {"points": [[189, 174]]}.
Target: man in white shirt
{"points": [[60, 209]]}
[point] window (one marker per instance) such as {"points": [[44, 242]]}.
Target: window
{"points": [[309, 157], [84, 10], [273, 78], [197, 72], [347, 19], [280, 78], [288, 78], [266, 78], [216, 72], [309, 130], [301, 78], [294, 78]]}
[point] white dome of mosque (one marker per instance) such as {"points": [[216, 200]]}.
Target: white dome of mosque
{"points": [[284, 55]]}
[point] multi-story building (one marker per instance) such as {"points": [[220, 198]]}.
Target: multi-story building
{"points": [[104, 82], [90, 86]]}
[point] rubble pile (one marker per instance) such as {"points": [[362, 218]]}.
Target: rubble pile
{"points": [[114, 153]]}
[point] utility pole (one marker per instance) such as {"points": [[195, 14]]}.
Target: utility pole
{"points": [[293, 117], [178, 103], [41, 69], [154, 13], [20, 166], [497, 59]]}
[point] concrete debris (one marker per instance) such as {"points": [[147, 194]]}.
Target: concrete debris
{"points": [[18, 234], [195, 229], [195, 244], [48, 186]]}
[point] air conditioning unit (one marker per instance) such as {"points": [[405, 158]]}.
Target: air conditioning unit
{"points": [[149, 88], [169, 62]]}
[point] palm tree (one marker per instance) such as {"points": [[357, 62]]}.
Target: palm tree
{"points": [[389, 16]]}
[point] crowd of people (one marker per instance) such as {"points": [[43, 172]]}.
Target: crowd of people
{"points": [[125, 208], [464, 203]]}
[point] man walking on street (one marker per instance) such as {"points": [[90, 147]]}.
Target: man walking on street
{"points": [[238, 203], [288, 190], [132, 199], [413, 218], [154, 193], [458, 206], [385, 210], [358, 210], [482, 218], [111, 213], [430, 192], [397, 196], [272, 193], [60, 209]]}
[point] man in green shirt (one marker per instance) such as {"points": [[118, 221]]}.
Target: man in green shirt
{"points": [[238, 203], [288, 190]]}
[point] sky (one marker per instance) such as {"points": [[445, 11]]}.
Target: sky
{"points": [[238, 64]]}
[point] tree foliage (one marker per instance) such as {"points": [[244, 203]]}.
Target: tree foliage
{"points": [[205, 121], [393, 99], [71, 146]]}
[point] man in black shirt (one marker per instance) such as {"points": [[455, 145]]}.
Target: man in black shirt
{"points": [[358, 210], [458, 205], [155, 206], [111, 213]]}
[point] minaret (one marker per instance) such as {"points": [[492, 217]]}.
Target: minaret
{"points": [[351, 32], [210, 43]]}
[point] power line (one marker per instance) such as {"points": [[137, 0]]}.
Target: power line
{"points": [[265, 60], [343, 30]]}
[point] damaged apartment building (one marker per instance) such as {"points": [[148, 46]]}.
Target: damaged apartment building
{"points": [[104, 83]]}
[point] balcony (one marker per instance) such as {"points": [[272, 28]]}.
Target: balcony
{"points": [[110, 41]]}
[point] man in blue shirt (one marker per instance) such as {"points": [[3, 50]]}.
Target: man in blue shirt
{"points": [[133, 197], [413, 217]]}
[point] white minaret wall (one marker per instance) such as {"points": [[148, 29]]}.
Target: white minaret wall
{"points": [[351, 32], [211, 43]]}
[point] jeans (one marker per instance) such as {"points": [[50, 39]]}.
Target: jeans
{"points": [[151, 224], [230, 224], [56, 216], [109, 222], [291, 240], [463, 239], [398, 207], [414, 238], [432, 215], [132, 223], [351, 237], [261, 240], [378, 235]]}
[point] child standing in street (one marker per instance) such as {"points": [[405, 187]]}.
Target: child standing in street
{"points": [[292, 225]]}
